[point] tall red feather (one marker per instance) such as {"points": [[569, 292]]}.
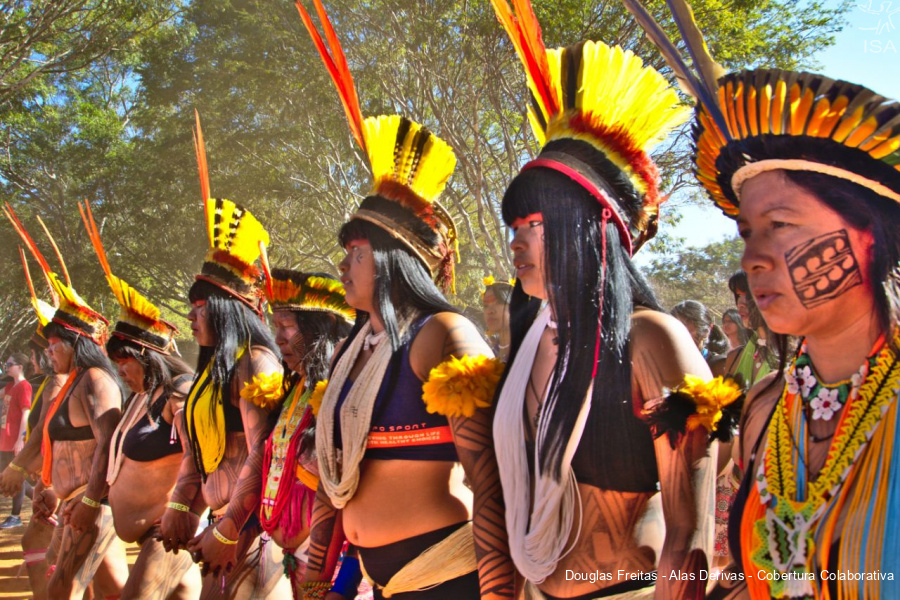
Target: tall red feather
{"points": [[59, 257], [27, 273], [203, 168], [94, 233], [26, 238], [523, 28], [336, 64]]}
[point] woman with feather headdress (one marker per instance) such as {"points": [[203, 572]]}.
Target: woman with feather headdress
{"points": [[408, 400], [808, 166], [606, 473]]}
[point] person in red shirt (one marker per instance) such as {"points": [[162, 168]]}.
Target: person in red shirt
{"points": [[13, 422]]}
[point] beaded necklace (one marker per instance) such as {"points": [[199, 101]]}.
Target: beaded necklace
{"points": [[280, 459], [785, 540]]}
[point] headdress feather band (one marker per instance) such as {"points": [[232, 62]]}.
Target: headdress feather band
{"points": [[295, 290], [766, 119], [410, 165]]}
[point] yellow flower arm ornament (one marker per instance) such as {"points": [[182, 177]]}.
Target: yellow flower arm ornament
{"points": [[714, 405], [265, 391], [459, 386], [315, 399]]}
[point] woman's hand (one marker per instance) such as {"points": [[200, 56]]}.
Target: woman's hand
{"points": [[217, 557], [176, 529], [80, 517], [44, 503]]}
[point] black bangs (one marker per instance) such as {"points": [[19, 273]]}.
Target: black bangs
{"points": [[353, 230], [526, 192], [204, 290]]}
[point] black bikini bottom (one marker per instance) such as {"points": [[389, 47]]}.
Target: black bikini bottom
{"points": [[383, 562]]}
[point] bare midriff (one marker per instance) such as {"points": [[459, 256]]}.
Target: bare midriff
{"points": [[72, 465], [139, 495], [400, 499], [621, 537], [220, 483]]}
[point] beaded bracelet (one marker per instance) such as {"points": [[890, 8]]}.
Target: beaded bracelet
{"points": [[218, 535], [179, 507], [315, 590], [90, 502], [17, 468]]}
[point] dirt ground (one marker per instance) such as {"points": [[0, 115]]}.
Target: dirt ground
{"points": [[13, 579]]}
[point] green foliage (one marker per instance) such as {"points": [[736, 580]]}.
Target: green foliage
{"points": [[680, 272]]}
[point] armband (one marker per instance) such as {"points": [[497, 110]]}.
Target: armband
{"points": [[218, 535], [90, 502], [265, 391], [714, 405], [18, 469], [459, 386]]}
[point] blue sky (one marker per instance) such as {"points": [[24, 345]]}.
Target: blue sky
{"points": [[867, 52]]}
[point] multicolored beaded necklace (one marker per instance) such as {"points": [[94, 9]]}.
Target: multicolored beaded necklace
{"points": [[280, 460], [794, 505]]}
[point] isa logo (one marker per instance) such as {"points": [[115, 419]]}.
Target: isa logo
{"points": [[881, 20]]}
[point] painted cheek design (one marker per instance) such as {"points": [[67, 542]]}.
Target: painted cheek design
{"points": [[823, 268]]}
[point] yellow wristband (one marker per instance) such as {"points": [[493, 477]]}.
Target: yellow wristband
{"points": [[179, 507], [89, 502], [218, 535], [17, 468]]}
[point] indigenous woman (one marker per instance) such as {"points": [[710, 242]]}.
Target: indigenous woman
{"points": [[38, 532], [733, 328], [77, 429], [410, 390], [587, 488], [310, 317], [706, 334], [146, 451], [758, 357], [496, 298], [238, 384], [808, 167]]}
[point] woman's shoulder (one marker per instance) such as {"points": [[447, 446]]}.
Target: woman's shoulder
{"points": [[445, 334], [660, 334]]}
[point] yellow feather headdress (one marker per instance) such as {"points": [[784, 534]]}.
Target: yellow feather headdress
{"points": [[605, 97], [139, 319], [72, 312], [236, 239], [295, 290], [755, 121], [410, 166]]}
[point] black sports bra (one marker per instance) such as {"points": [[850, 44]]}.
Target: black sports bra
{"points": [[151, 437], [60, 428]]}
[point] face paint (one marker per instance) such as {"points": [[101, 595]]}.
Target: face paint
{"points": [[823, 268]]}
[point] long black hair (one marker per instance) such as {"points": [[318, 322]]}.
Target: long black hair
{"points": [[159, 369], [573, 259], [734, 316], [319, 333], [236, 326], [404, 289], [88, 355]]}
